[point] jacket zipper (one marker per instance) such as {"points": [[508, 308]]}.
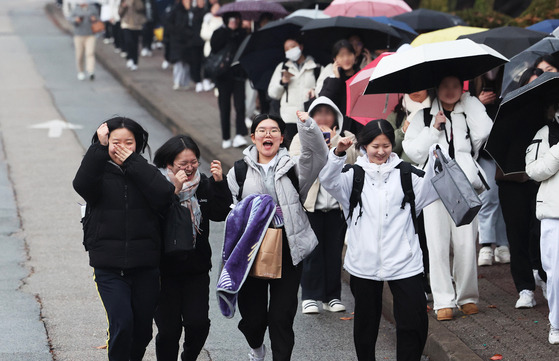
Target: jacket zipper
{"points": [[381, 219], [125, 223]]}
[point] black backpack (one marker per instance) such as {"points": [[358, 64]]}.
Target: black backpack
{"points": [[406, 170], [241, 168]]}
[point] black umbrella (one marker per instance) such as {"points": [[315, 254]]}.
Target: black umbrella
{"points": [[263, 50], [507, 40], [519, 63], [424, 20], [521, 114], [323, 33]]}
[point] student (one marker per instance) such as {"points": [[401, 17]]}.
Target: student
{"points": [[185, 279], [126, 198], [270, 170], [382, 242]]}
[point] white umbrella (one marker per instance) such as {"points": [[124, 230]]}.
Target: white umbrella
{"points": [[424, 66], [309, 13]]}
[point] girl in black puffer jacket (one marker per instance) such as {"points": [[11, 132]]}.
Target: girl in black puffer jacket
{"points": [[126, 199]]}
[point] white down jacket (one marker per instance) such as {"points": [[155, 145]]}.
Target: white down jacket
{"points": [[542, 165], [468, 114], [381, 244], [300, 235]]}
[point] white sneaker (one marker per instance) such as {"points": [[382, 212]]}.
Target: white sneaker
{"points": [[502, 254], [123, 54], [310, 307], [239, 141], [226, 144], [248, 122], [129, 63], [553, 335], [253, 357], [199, 87], [164, 64], [526, 299], [176, 87], [207, 85], [334, 305], [540, 283], [485, 257], [81, 76], [145, 52], [106, 41]]}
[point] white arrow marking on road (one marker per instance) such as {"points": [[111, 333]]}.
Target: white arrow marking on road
{"points": [[55, 127]]}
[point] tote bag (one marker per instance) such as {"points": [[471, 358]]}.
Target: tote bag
{"points": [[455, 190], [218, 63], [267, 263]]}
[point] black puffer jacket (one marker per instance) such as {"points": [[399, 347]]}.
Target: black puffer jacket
{"points": [[215, 200], [123, 228], [183, 28]]}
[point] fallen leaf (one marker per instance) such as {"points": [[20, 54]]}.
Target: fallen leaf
{"points": [[346, 318], [492, 306], [497, 357], [353, 313], [102, 347]]}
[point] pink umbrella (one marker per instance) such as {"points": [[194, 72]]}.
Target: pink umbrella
{"points": [[354, 8], [366, 107]]}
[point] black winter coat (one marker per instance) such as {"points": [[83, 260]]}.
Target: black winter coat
{"points": [[183, 28], [222, 37], [123, 228], [215, 200]]}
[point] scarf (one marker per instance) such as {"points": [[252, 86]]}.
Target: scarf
{"points": [[413, 107], [187, 197]]}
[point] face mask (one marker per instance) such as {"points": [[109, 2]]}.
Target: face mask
{"points": [[293, 54]]}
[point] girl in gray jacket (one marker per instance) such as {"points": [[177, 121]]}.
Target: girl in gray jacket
{"points": [[82, 15], [270, 170]]}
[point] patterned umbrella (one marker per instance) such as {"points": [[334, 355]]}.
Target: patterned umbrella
{"points": [[251, 10]]}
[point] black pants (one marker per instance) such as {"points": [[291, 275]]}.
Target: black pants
{"points": [[108, 30], [277, 314], [118, 36], [194, 59], [131, 38], [290, 131], [410, 313], [518, 202], [129, 298], [147, 35], [184, 303], [321, 279], [229, 85]]}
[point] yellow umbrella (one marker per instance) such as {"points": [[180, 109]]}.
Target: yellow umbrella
{"points": [[445, 34]]}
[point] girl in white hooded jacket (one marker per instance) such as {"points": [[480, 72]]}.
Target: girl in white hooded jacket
{"points": [[382, 244]]}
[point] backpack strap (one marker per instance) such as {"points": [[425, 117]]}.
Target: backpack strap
{"points": [[357, 188], [406, 170], [241, 169], [427, 116], [293, 178], [317, 71]]}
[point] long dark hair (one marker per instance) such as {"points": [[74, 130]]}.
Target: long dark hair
{"points": [[167, 153], [140, 134], [373, 129]]}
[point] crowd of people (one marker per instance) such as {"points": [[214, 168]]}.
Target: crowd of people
{"points": [[333, 179]]}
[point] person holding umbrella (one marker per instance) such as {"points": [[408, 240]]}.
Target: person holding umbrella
{"points": [[542, 165], [291, 83], [460, 124]]}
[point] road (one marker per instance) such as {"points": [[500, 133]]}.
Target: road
{"points": [[49, 308]]}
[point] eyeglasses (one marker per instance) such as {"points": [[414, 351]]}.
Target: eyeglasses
{"points": [[274, 132], [185, 165]]}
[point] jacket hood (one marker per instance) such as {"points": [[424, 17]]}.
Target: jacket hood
{"points": [[327, 101], [391, 163]]}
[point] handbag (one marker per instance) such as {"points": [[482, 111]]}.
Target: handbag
{"points": [[177, 231], [267, 264], [97, 26], [455, 190], [218, 63]]}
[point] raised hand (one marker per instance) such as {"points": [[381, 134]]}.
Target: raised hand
{"points": [[303, 116], [343, 145], [103, 134], [216, 170]]}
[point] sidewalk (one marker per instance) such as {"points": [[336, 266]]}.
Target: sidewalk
{"points": [[498, 329]]}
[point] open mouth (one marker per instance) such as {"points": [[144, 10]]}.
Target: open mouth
{"points": [[268, 144]]}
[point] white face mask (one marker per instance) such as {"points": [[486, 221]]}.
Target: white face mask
{"points": [[293, 54]]}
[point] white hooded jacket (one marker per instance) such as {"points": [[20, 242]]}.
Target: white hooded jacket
{"points": [[381, 244]]}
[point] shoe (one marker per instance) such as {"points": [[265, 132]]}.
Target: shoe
{"points": [[310, 307], [334, 305], [106, 41], [252, 356], [553, 336], [123, 54], [91, 76], [485, 257], [502, 254], [248, 122], [444, 314], [146, 52], [207, 85], [469, 309], [526, 299], [239, 141], [540, 283], [226, 144], [81, 76], [199, 87], [117, 50], [164, 64], [176, 87], [129, 63]]}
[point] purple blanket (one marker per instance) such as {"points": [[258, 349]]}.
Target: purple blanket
{"points": [[245, 227]]}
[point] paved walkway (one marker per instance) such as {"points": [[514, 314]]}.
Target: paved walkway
{"points": [[498, 329]]}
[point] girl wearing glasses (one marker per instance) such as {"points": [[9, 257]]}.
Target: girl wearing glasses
{"points": [[185, 280], [270, 170]]}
